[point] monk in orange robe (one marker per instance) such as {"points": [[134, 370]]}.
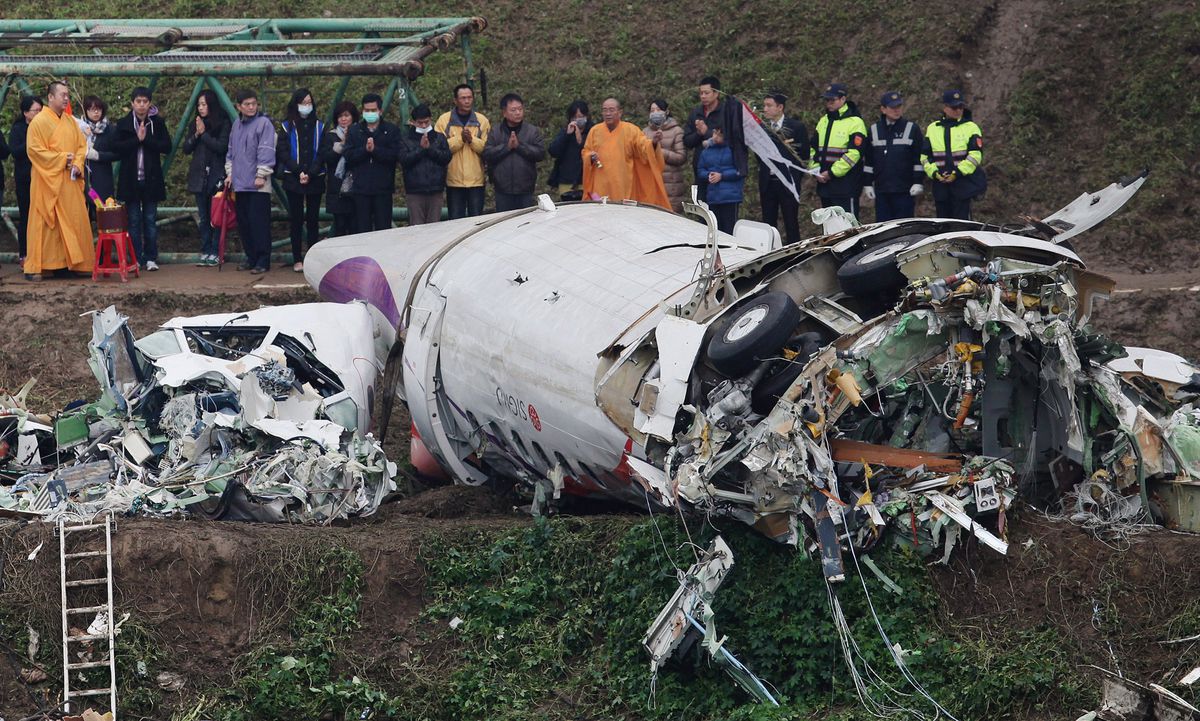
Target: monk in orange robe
{"points": [[621, 163], [60, 235]]}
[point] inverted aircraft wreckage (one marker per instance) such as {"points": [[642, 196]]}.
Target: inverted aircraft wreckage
{"points": [[257, 416], [913, 376]]}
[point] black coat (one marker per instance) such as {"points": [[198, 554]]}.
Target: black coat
{"points": [[100, 171], [693, 140], [156, 144], [22, 167], [206, 170], [797, 151], [568, 157], [4, 152], [335, 202], [893, 156], [514, 171], [374, 173], [424, 168], [301, 156]]}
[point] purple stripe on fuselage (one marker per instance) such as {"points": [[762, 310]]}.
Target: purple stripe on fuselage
{"points": [[361, 278]]}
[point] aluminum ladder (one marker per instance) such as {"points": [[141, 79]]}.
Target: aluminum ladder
{"points": [[68, 585]]}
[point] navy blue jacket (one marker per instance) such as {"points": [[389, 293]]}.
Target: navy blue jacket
{"points": [[719, 159], [893, 156]]}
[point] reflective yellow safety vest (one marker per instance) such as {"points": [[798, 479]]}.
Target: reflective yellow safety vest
{"points": [[838, 142], [952, 146]]}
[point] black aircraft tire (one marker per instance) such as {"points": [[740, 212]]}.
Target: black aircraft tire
{"points": [[874, 271], [754, 333]]}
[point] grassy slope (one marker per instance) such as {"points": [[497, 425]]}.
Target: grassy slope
{"points": [[1077, 93]]}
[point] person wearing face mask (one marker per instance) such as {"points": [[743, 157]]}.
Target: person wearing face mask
{"points": [[207, 143], [142, 139], [953, 158], [513, 150], [566, 177], [22, 167], [100, 135], [299, 167], [333, 148], [372, 149], [666, 130], [424, 155]]}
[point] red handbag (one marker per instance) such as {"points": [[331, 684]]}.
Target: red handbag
{"points": [[222, 212]]}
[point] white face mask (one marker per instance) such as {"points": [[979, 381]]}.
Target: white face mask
{"points": [[305, 110], [424, 130]]}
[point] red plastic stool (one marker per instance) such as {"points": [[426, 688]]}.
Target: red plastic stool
{"points": [[126, 258]]}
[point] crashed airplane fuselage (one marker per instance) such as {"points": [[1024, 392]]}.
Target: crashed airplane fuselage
{"points": [[627, 352]]}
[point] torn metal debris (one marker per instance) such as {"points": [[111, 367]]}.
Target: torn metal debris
{"points": [[901, 381], [262, 416]]}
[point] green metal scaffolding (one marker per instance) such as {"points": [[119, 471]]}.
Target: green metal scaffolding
{"points": [[210, 49]]}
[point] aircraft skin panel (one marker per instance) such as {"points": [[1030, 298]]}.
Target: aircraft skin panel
{"points": [[491, 366], [531, 300], [604, 252]]}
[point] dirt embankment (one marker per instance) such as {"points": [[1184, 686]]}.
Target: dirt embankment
{"points": [[1121, 599], [209, 592]]}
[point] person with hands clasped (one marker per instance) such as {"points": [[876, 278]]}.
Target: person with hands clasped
{"points": [[299, 166], [424, 155], [207, 144], [953, 158], [372, 149]]}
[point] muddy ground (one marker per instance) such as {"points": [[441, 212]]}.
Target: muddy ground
{"points": [[207, 590]]}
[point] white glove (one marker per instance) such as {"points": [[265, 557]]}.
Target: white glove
{"points": [[870, 191], [916, 189], [92, 154], [339, 147]]}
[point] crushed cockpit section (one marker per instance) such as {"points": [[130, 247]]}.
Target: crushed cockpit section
{"points": [[259, 416]]}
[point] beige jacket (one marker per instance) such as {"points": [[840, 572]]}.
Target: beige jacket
{"points": [[674, 158]]}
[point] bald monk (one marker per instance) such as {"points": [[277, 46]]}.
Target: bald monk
{"points": [[621, 163], [59, 234]]}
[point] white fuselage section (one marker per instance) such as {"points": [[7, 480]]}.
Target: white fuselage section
{"points": [[507, 323]]}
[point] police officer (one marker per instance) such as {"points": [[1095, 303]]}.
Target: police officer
{"points": [[893, 172], [953, 158], [837, 150]]}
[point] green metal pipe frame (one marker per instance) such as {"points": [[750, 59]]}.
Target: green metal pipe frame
{"points": [[194, 68], [404, 59], [292, 25], [181, 129], [248, 33]]}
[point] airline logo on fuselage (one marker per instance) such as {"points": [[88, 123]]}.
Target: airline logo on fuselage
{"points": [[519, 408]]}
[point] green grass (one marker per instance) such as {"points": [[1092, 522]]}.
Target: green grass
{"points": [[553, 615]]}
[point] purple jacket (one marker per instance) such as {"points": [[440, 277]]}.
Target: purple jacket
{"points": [[251, 153]]}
